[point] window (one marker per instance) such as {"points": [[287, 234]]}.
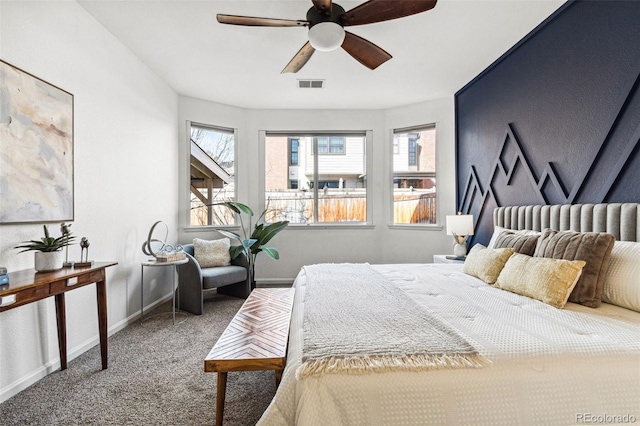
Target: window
{"points": [[317, 188], [413, 150], [330, 144], [212, 166], [293, 152], [414, 175]]}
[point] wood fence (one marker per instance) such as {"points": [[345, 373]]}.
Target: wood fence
{"points": [[334, 206], [347, 207], [414, 208]]}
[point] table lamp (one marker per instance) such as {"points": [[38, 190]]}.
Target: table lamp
{"points": [[460, 226]]}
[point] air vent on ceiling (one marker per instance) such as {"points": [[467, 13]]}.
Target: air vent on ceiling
{"points": [[310, 84]]}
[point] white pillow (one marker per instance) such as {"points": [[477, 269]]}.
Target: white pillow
{"points": [[497, 230], [212, 253], [622, 281]]}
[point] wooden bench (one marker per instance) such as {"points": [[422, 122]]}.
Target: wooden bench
{"points": [[256, 339]]}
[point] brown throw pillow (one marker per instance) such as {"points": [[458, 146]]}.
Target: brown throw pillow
{"points": [[592, 247], [523, 244]]}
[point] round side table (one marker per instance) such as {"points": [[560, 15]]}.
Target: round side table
{"points": [[154, 263]]}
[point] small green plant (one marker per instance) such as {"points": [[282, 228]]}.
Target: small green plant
{"points": [[46, 243]]}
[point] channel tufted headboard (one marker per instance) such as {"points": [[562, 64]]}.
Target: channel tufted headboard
{"points": [[620, 219]]}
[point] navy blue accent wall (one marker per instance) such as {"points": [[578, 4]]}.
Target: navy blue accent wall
{"points": [[556, 120]]}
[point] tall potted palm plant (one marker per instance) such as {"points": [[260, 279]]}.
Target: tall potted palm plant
{"points": [[253, 238]]}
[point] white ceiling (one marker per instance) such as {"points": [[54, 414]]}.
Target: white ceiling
{"points": [[435, 53]]}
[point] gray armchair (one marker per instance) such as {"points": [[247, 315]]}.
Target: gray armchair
{"points": [[193, 280]]}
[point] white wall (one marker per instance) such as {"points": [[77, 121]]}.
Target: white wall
{"points": [[380, 243], [126, 178]]}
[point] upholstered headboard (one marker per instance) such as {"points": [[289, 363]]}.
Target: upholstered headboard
{"points": [[620, 219]]}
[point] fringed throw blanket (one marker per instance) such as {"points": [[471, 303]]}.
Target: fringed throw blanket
{"points": [[356, 322]]}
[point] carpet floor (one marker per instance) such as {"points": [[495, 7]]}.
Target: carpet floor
{"points": [[155, 377]]}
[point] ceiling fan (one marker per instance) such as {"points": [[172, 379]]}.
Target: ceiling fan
{"points": [[326, 21]]}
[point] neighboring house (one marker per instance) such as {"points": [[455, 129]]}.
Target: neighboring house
{"points": [[341, 161]]}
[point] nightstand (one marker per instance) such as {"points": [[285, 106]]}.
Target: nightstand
{"points": [[444, 258]]}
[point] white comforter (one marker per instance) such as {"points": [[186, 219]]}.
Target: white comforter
{"points": [[549, 366]]}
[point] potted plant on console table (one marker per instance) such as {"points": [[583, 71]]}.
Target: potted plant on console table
{"points": [[254, 243], [48, 250]]}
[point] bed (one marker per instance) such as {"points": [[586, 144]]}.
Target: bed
{"points": [[544, 365]]}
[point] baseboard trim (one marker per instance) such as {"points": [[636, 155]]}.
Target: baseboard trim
{"points": [[72, 353]]}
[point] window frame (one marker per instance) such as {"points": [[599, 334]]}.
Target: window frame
{"points": [[187, 199], [391, 224], [368, 151]]}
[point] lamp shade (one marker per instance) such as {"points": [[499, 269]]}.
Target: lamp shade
{"points": [[460, 224], [326, 36]]}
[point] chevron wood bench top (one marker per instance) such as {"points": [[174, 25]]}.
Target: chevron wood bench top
{"points": [[256, 339]]}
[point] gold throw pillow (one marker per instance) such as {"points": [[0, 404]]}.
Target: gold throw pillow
{"points": [[547, 280], [485, 263]]}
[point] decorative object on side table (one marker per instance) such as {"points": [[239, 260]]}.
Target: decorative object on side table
{"points": [[159, 249], [84, 254], [460, 226], [66, 232], [4, 277], [252, 244], [47, 250]]}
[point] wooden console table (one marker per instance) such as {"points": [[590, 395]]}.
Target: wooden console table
{"points": [[29, 286]]}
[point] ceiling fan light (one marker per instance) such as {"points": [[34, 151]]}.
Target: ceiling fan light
{"points": [[326, 36]]}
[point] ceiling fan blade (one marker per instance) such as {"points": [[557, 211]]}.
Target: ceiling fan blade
{"points": [[253, 21], [323, 6], [365, 52], [384, 10], [301, 58]]}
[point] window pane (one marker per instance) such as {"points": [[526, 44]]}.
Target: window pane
{"points": [[287, 187], [323, 145], [292, 191], [336, 145], [414, 176], [342, 193], [294, 152], [212, 175], [413, 146]]}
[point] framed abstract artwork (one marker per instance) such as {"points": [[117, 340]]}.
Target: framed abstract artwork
{"points": [[36, 149]]}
